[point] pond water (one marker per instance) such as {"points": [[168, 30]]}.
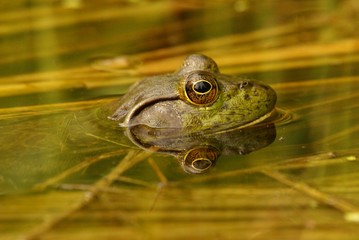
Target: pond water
{"points": [[65, 172]]}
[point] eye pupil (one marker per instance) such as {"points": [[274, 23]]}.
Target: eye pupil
{"points": [[202, 164], [202, 86]]}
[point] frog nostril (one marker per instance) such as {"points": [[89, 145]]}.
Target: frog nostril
{"points": [[243, 84]]}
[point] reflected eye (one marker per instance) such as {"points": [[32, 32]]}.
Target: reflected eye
{"points": [[200, 159], [201, 88]]}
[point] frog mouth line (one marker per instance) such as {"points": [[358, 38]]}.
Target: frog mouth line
{"points": [[260, 119], [144, 104], [256, 122]]}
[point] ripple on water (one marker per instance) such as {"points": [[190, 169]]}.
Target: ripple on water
{"points": [[282, 117]]}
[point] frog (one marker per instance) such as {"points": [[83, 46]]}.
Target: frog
{"points": [[197, 98]]}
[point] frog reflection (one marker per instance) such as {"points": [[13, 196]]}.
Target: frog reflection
{"points": [[197, 153]]}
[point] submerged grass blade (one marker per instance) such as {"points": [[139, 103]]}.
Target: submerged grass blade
{"points": [[333, 201], [132, 158]]}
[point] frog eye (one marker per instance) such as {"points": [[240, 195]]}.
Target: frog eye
{"points": [[199, 159], [201, 88]]}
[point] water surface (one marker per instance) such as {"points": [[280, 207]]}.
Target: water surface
{"points": [[61, 177]]}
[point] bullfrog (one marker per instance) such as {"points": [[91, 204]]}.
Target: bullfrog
{"points": [[197, 98]]}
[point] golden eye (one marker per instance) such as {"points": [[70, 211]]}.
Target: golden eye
{"points": [[200, 159], [201, 88]]}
